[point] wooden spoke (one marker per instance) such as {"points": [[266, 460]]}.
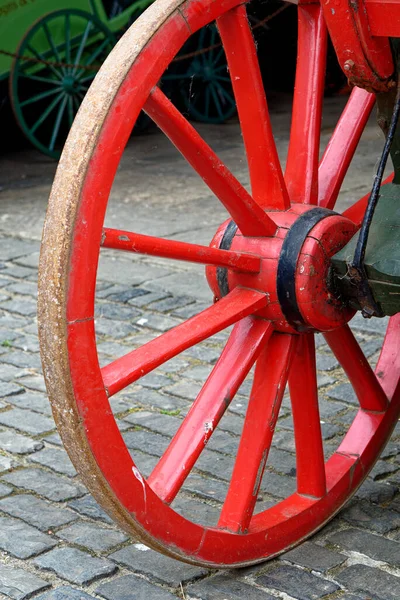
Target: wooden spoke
{"points": [[236, 305], [342, 145], [155, 246], [310, 462], [262, 413], [301, 174], [240, 352], [267, 183], [364, 381], [247, 214]]}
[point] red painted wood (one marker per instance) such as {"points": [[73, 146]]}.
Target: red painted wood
{"points": [[246, 213], [366, 60], [287, 522], [301, 173], [262, 413], [364, 381], [267, 183], [125, 370], [155, 246], [383, 17], [310, 462], [242, 349], [342, 145], [388, 367]]}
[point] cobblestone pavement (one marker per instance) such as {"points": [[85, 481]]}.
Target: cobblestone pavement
{"points": [[56, 543]]}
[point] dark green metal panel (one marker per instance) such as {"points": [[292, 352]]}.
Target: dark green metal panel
{"points": [[382, 258]]}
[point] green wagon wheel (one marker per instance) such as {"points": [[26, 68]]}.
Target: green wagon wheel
{"points": [[55, 64], [205, 86]]}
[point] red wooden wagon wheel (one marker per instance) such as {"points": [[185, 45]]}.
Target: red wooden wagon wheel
{"points": [[268, 266]]}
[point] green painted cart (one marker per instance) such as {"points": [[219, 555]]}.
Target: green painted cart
{"points": [[51, 51]]}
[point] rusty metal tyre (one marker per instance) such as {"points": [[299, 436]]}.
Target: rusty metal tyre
{"points": [[265, 332]]}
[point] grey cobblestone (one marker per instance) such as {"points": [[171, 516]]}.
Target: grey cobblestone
{"points": [[26, 421], [144, 561], [92, 536], [22, 540], [374, 546], [57, 460], [34, 402], [370, 582], [132, 588], [88, 507], [222, 587], [37, 512], [19, 584], [65, 593], [51, 486], [297, 583], [75, 566], [314, 557]]}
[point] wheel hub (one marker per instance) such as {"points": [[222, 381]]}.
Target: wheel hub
{"points": [[295, 269], [69, 84]]}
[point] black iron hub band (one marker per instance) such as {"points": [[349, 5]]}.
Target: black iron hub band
{"points": [[222, 272], [291, 247]]}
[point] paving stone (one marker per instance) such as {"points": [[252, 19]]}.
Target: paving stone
{"points": [[155, 381], [160, 423], [10, 372], [377, 492], [160, 323], [382, 469], [197, 511], [88, 507], [65, 593], [371, 583], [371, 517], [9, 389], [12, 248], [374, 546], [175, 365], [162, 569], [26, 421], [92, 536], [278, 485], [55, 439], [314, 557], [188, 390], [326, 362], [144, 300], [199, 372], [31, 401], [5, 490], [171, 303], [23, 287], [21, 359], [224, 587], [75, 566], [115, 312], [154, 399], [343, 392], [35, 383], [37, 512], [369, 325], [204, 487], [19, 584], [297, 583], [116, 329], [202, 352], [22, 540], [150, 442], [6, 463], [130, 587], [21, 306], [57, 460], [51, 486], [123, 294]]}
